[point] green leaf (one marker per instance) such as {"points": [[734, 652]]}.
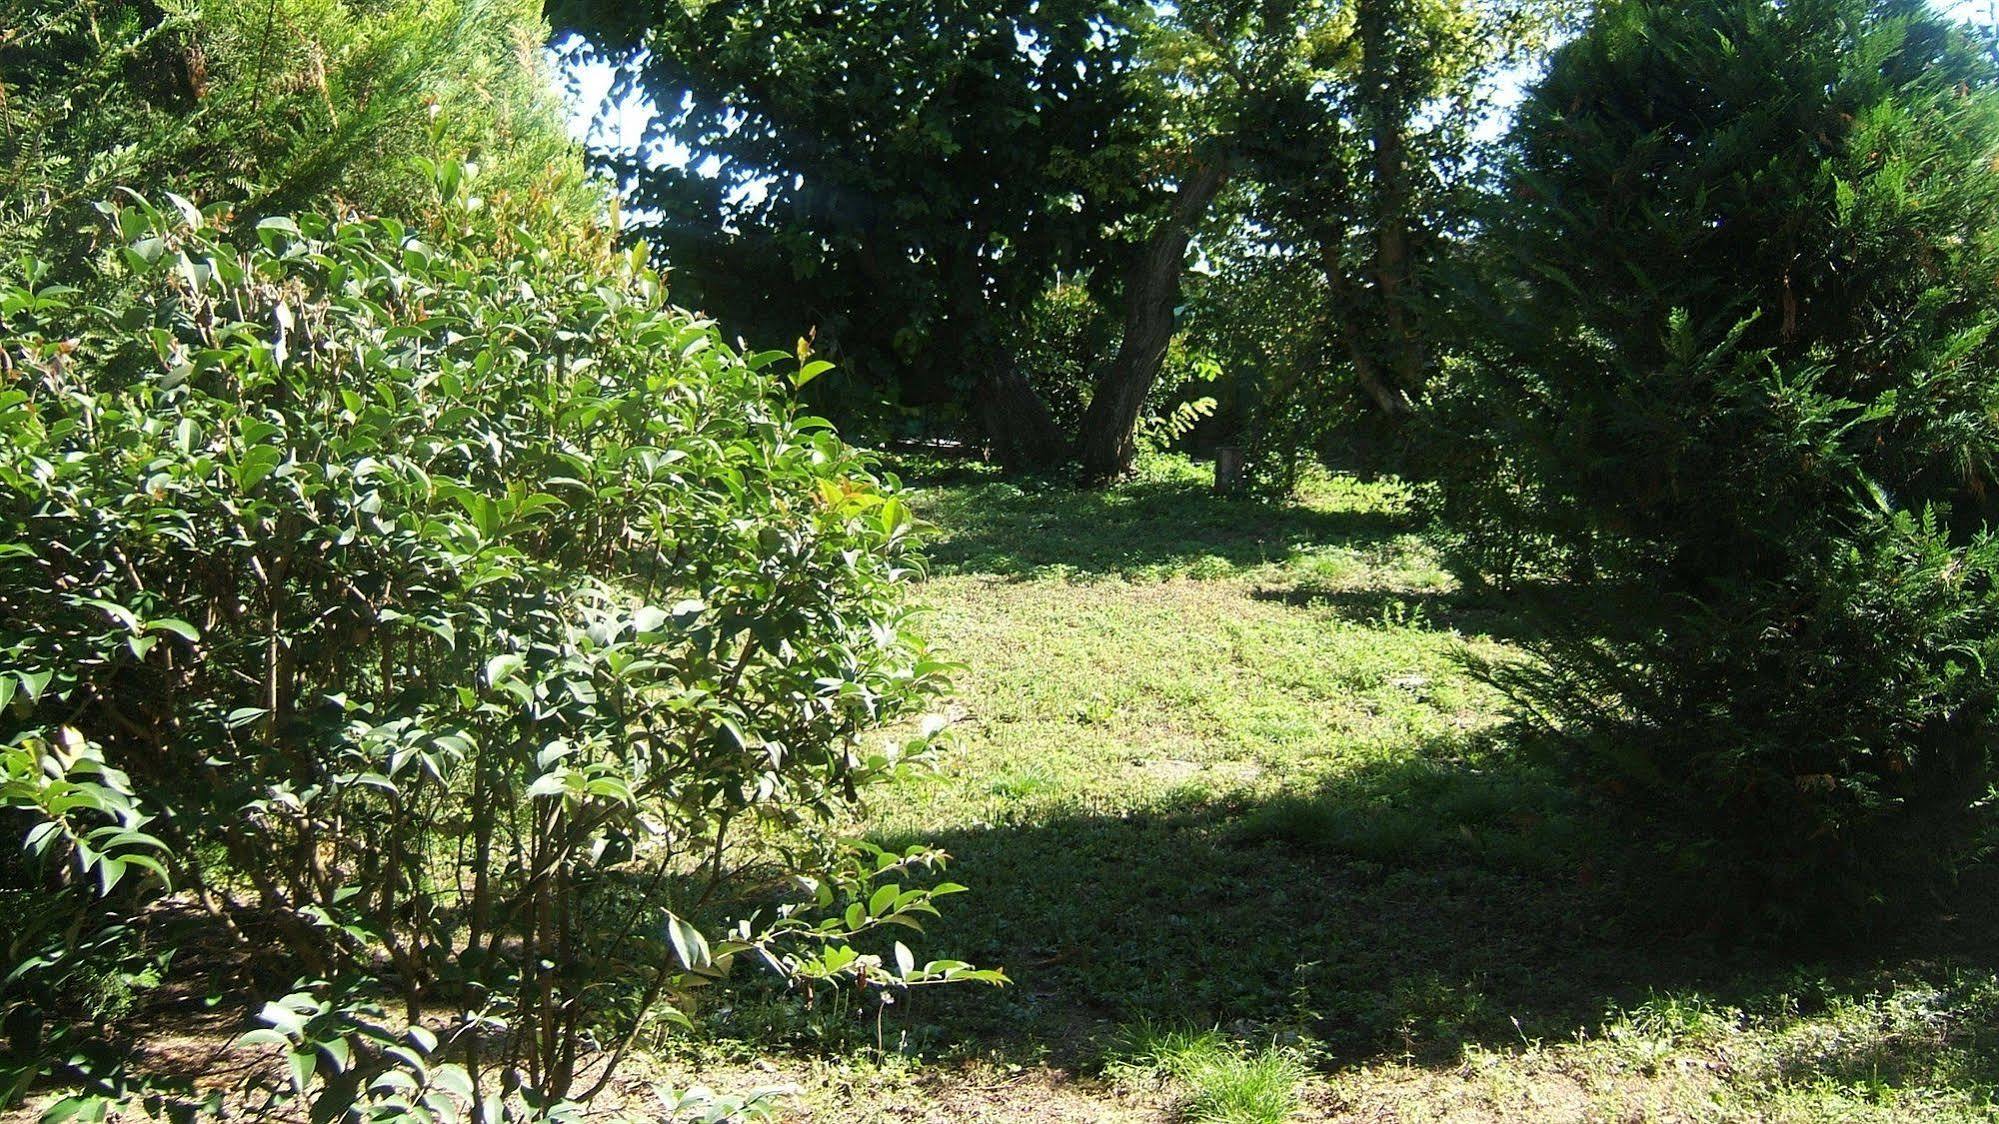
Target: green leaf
{"points": [[884, 898], [243, 716], [809, 372], [262, 1036], [179, 628], [452, 1078], [688, 943], [189, 213], [554, 783], [303, 1064], [283, 1018], [124, 617], [339, 1053], [256, 466], [35, 682]]}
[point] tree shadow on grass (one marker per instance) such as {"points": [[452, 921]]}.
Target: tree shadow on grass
{"points": [[1407, 910], [1492, 613], [1145, 528]]}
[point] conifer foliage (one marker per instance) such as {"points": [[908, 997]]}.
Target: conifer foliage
{"points": [[272, 105], [1738, 408]]}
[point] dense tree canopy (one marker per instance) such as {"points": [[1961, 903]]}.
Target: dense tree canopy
{"points": [[900, 178], [904, 178]]}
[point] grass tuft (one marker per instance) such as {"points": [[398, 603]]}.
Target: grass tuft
{"points": [[1224, 1082]]}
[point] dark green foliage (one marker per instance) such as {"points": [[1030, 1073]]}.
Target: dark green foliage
{"points": [[1264, 313], [76, 960], [458, 609], [1361, 155], [903, 179], [1065, 335], [1738, 408]]}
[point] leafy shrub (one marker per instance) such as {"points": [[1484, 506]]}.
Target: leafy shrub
{"points": [[1065, 336], [72, 963], [1737, 412], [463, 620], [1174, 406], [1260, 312]]}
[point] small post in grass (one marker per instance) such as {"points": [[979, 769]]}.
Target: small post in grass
{"points": [[1228, 468]]}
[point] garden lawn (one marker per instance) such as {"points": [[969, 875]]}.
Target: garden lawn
{"points": [[1248, 838]]}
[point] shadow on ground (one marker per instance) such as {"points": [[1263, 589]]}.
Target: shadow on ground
{"points": [[1018, 530], [1406, 911], [1410, 908], [1468, 613]]}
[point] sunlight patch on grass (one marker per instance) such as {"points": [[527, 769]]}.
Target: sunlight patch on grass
{"points": [[1222, 1081], [1217, 763], [1912, 1053], [1127, 700]]}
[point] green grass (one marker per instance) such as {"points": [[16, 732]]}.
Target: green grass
{"points": [[1221, 1081], [1216, 763]]}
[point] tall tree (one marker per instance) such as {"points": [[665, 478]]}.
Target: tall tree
{"points": [[899, 178], [1106, 440], [1219, 69], [903, 179], [1355, 121], [1738, 401]]}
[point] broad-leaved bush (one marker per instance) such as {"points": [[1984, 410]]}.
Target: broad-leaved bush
{"points": [[448, 630]]}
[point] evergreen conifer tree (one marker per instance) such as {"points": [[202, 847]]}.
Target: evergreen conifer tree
{"points": [[1742, 413]]}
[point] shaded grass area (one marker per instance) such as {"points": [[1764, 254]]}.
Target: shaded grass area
{"points": [[1218, 767], [1401, 910], [1166, 523]]}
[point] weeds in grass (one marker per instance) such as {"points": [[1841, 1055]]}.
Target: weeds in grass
{"points": [[702, 1105], [1024, 784]]}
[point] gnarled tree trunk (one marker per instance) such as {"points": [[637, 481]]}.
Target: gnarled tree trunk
{"points": [[1020, 433], [1107, 441]]}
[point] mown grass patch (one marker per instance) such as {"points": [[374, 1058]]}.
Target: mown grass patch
{"points": [[1191, 782], [1220, 764]]}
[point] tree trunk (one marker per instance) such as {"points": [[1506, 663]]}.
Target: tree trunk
{"points": [[1020, 433], [1392, 270], [1107, 441], [1387, 109], [1387, 393]]}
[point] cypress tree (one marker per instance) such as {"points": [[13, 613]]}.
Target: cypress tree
{"points": [[1743, 419]]}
